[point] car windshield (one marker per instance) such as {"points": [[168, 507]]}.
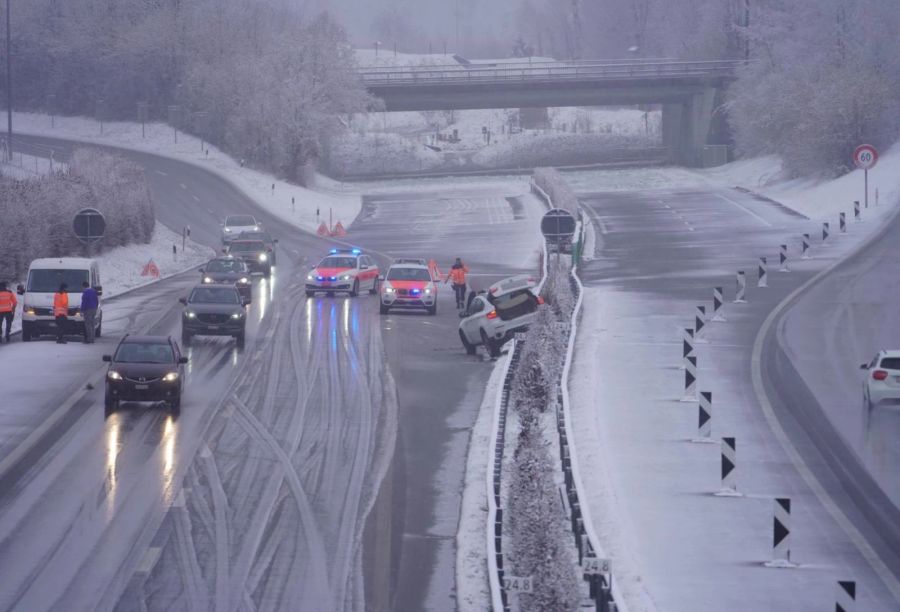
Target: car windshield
{"points": [[214, 295], [225, 265], [137, 352], [240, 221], [256, 236], [48, 281], [338, 262], [408, 274], [248, 246]]}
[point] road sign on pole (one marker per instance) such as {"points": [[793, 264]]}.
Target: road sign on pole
{"points": [[89, 226], [865, 157]]}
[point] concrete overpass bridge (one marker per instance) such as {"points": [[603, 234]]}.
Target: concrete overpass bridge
{"points": [[687, 91]]}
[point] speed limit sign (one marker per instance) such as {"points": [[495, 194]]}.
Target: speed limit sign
{"points": [[865, 156]]}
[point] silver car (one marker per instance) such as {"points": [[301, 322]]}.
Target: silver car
{"points": [[235, 225]]}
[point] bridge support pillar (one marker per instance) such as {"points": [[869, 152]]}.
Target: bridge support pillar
{"points": [[686, 126]]}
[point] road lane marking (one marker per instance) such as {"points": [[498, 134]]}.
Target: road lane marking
{"points": [[183, 186], [161, 173], [195, 198], [148, 561], [745, 209]]}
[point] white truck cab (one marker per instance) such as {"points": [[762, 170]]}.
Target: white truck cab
{"points": [[44, 278]]}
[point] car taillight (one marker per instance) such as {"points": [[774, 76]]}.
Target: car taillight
{"points": [[540, 300], [879, 375], [492, 314]]}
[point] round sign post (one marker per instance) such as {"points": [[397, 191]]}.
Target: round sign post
{"points": [[89, 226], [865, 157]]}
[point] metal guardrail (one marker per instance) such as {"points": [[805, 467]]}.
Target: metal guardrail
{"points": [[592, 71]]}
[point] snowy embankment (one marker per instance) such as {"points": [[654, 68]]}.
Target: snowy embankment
{"points": [[269, 192]]}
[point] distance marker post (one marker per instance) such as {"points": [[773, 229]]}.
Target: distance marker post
{"points": [[729, 466]]}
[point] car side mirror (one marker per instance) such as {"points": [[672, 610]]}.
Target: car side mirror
{"points": [[20, 289], [107, 358], [201, 270], [99, 289], [864, 366], [182, 360], [183, 301]]}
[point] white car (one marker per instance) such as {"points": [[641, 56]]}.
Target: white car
{"points": [[235, 225], [491, 318], [408, 284], [882, 378], [343, 270]]}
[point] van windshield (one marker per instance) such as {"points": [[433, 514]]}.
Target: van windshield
{"points": [[48, 281]]}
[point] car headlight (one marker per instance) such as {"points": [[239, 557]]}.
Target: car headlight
{"points": [[428, 292], [263, 257], [113, 375], [388, 289], [255, 228], [227, 231], [29, 310], [237, 315], [244, 280], [207, 279], [190, 315], [309, 277], [170, 377]]}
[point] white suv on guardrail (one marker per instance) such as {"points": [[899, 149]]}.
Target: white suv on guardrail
{"points": [[492, 317]]}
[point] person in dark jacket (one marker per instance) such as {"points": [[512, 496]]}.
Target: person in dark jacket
{"points": [[90, 301]]}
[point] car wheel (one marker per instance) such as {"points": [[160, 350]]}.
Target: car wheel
{"points": [[185, 337], [310, 293], [432, 310], [489, 345], [374, 288], [26, 333], [240, 339], [355, 290], [99, 331], [470, 348]]}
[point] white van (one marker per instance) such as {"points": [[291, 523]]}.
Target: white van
{"points": [[44, 278]]}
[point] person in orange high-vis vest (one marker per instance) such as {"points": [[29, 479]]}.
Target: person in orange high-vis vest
{"points": [[458, 277], [61, 312], [8, 303]]}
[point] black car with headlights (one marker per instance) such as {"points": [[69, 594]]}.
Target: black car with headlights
{"points": [[213, 310], [264, 237], [229, 270], [254, 253], [145, 369]]}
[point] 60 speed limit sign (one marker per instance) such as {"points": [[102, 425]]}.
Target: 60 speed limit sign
{"points": [[865, 156]]}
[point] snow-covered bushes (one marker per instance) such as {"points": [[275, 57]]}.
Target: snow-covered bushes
{"points": [[559, 148], [378, 153], [536, 524], [37, 213], [555, 186]]}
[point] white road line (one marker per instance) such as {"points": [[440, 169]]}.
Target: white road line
{"points": [[183, 186], [746, 210], [196, 199], [161, 173]]}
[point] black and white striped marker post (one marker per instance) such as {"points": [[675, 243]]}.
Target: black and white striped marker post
{"points": [[825, 231], [687, 345], [699, 324], [690, 379], [805, 253], [729, 465], [762, 279], [842, 220], [845, 597], [856, 209], [718, 302], [704, 419], [781, 534], [783, 259], [741, 292]]}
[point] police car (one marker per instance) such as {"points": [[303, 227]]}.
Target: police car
{"points": [[343, 270], [408, 284]]}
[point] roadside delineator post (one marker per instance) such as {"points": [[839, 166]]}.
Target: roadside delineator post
{"points": [[825, 231], [856, 209], [699, 324], [805, 253], [718, 302], [783, 259], [842, 220], [687, 346], [740, 294], [704, 419], [845, 597], [690, 379], [762, 273], [729, 465], [781, 534]]}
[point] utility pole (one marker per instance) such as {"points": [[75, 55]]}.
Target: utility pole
{"points": [[457, 26], [9, 98]]}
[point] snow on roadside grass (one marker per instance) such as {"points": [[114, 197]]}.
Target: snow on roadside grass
{"points": [[160, 139], [121, 267]]}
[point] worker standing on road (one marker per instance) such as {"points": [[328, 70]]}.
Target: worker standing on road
{"points": [[7, 308], [89, 303], [457, 274], [61, 312]]}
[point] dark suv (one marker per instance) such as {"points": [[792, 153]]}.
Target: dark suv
{"points": [[229, 270], [254, 253], [213, 310], [145, 369], [266, 238]]}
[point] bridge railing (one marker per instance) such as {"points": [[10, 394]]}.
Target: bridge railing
{"points": [[549, 71]]}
